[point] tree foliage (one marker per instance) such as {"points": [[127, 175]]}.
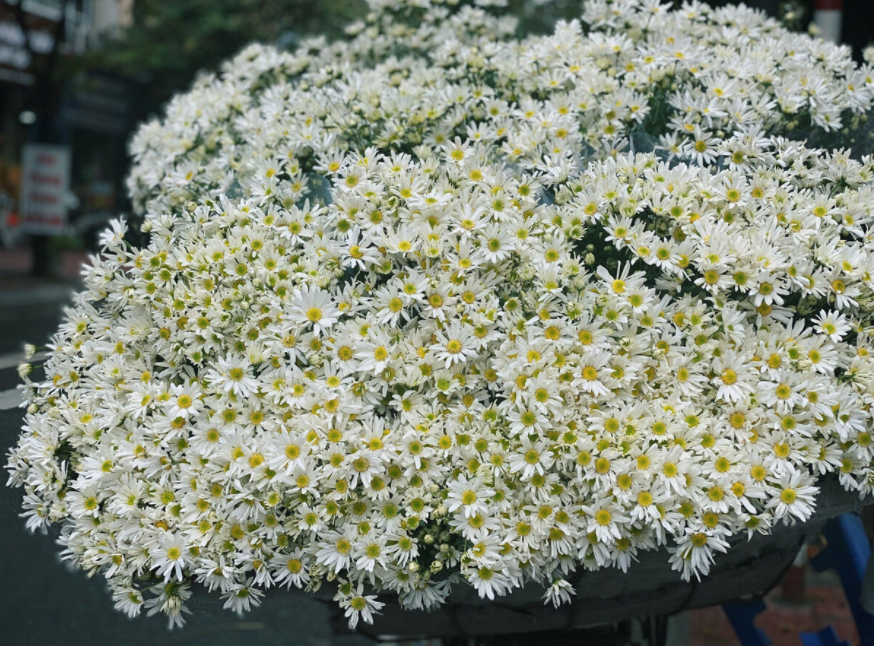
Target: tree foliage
{"points": [[170, 42]]}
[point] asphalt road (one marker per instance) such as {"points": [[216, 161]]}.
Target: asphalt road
{"points": [[31, 314]]}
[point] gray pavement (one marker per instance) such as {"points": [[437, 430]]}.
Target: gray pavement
{"points": [[31, 314]]}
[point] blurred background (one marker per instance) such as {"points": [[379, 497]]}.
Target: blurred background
{"points": [[77, 77]]}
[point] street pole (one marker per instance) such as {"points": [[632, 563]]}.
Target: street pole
{"points": [[41, 130]]}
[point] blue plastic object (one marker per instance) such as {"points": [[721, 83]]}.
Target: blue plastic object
{"points": [[825, 637], [742, 616], [848, 551]]}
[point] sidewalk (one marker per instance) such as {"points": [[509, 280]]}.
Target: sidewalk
{"points": [[824, 605]]}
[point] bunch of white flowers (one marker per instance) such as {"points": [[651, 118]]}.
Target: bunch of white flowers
{"points": [[410, 317]]}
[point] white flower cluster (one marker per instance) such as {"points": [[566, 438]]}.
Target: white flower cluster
{"points": [[642, 76], [391, 329]]}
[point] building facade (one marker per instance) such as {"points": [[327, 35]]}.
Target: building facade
{"points": [[85, 110]]}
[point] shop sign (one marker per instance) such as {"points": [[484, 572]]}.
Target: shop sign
{"points": [[45, 181]]}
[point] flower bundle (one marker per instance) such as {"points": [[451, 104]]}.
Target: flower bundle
{"points": [[413, 313]]}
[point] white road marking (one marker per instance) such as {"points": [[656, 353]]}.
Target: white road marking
{"points": [[10, 399], [37, 295], [13, 359]]}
